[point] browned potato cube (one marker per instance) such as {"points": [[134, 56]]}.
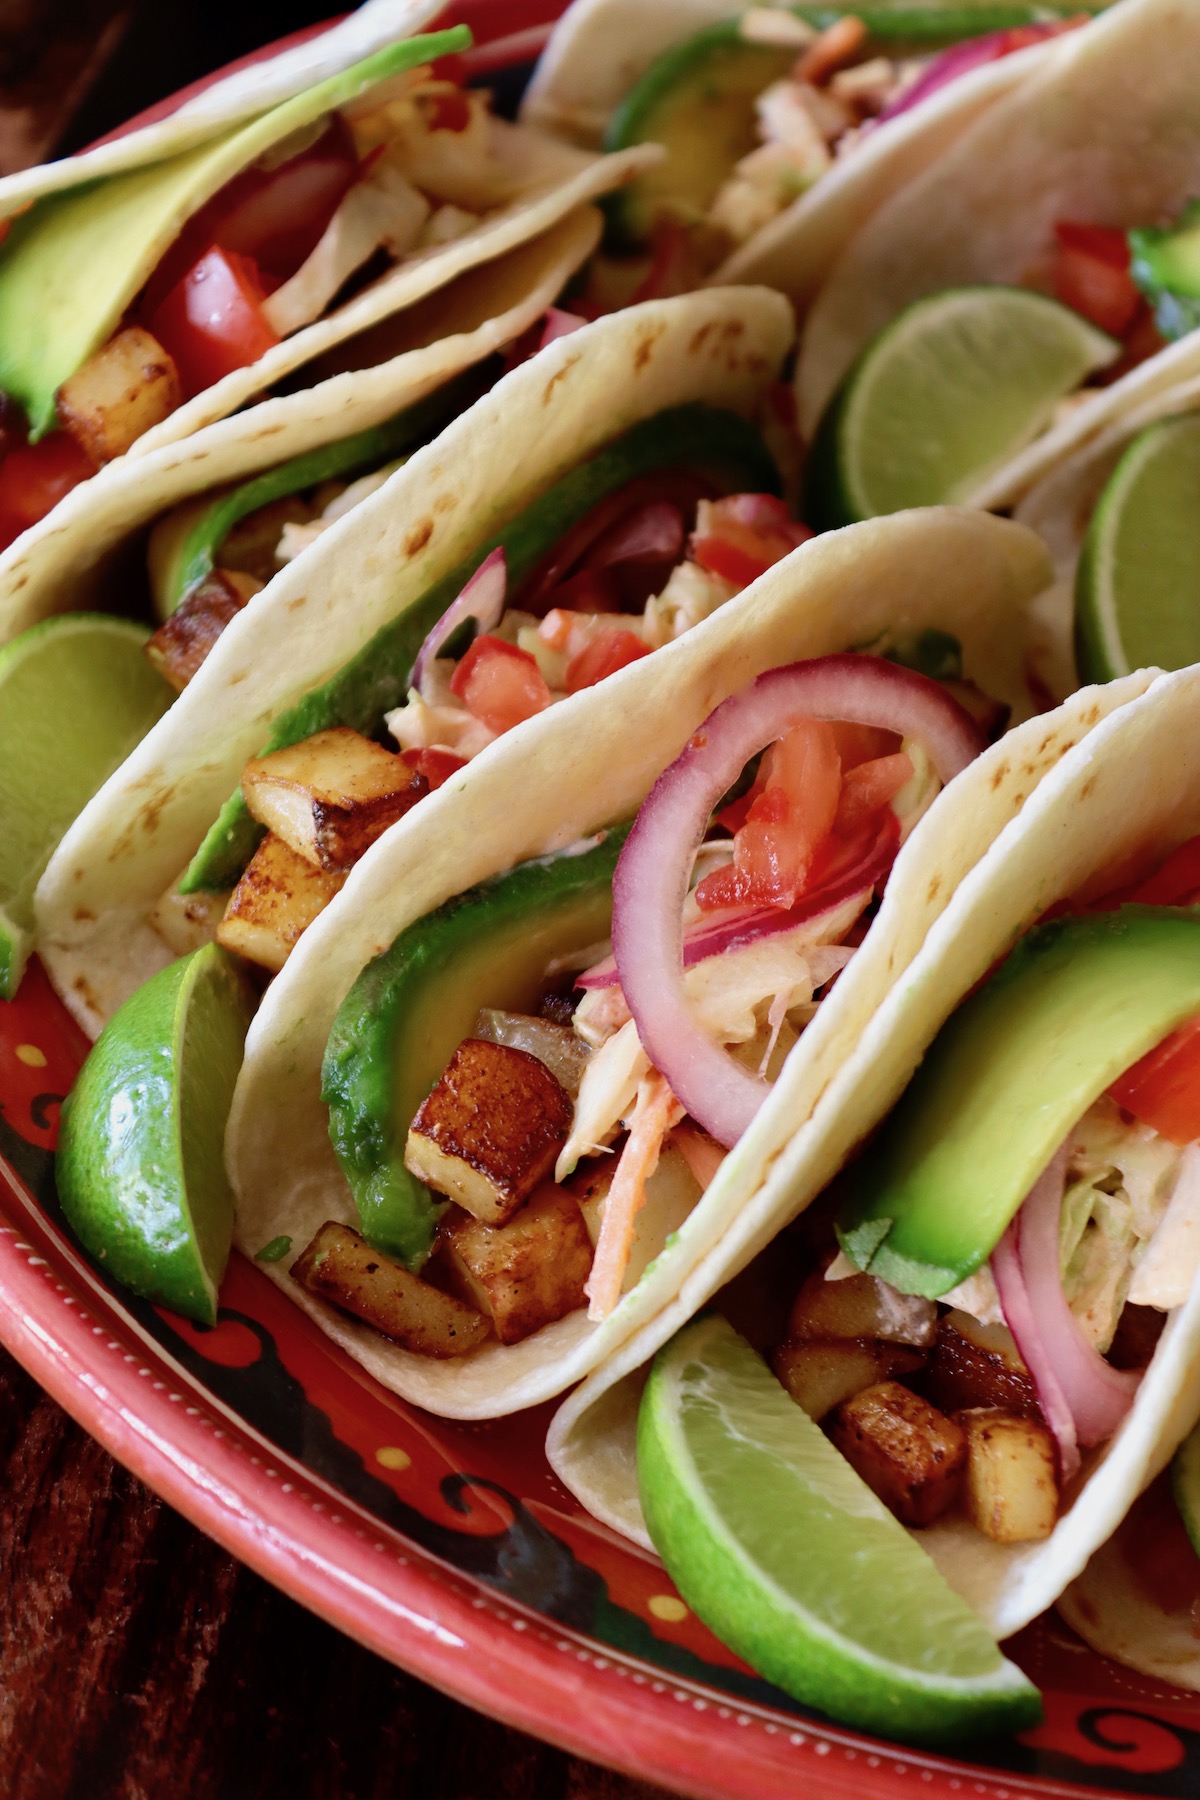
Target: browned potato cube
{"points": [[819, 1373], [186, 921], [276, 900], [129, 385], [1011, 1485], [978, 1365], [910, 1454], [490, 1130], [861, 1306], [341, 1267], [182, 642], [331, 795], [528, 1272]]}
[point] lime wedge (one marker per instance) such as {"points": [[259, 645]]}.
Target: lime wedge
{"points": [[1185, 1485], [778, 1546], [76, 696], [1137, 592], [943, 397], [140, 1166]]}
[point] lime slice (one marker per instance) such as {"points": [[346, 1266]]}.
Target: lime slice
{"points": [[1185, 1485], [1137, 592], [76, 696], [943, 397], [140, 1167], [776, 1544]]}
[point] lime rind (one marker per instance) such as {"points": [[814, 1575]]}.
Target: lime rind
{"points": [[1138, 581], [956, 385], [779, 1547]]}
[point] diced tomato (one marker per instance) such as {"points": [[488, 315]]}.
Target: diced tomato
{"points": [[1092, 277], [1163, 1089], [212, 322], [786, 824], [1176, 882], [447, 111], [870, 787], [435, 765], [500, 684], [743, 535], [611, 651], [34, 478], [863, 743]]}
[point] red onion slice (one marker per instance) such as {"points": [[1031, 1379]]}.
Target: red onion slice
{"points": [[1083, 1398], [482, 598], [653, 533], [960, 59], [651, 878], [559, 323]]}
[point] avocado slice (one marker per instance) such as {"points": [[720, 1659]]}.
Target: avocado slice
{"points": [[1078, 1002], [721, 445], [410, 1009], [196, 552], [72, 265], [697, 99], [1166, 267]]}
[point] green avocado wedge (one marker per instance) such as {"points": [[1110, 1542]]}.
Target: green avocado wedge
{"points": [[410, 1009], [720, 445], [73, 264], [1079, 1001], [1165, 264], [780, 1547], [140, 1165]]}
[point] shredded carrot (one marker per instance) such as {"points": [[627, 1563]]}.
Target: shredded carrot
{"points": [[835, 46], [655, 1111], [702, 1154]]}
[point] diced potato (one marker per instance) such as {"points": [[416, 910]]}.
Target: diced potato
{"points": [[182, 642], [910, 1454], [861, 1306], [528, 1272], [978, 1365], [820, 1373], [341, 1267], [274, 903], [489, 1132], [129, 385], [1011, 1485], [331, 795], [185, 922], [562, 1050]]}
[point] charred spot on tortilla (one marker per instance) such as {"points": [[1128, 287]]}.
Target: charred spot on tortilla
{"points": [[418, 537], [558, 375], [698, 338], [999, 774]]}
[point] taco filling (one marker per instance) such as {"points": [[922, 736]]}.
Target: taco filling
{"points": [[615, 1015]]}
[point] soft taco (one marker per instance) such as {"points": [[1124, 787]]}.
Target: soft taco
{"points": [[1014, 1293], [1039, 193], [439, 989], [140, 304], [784, 127], [483, 581]]}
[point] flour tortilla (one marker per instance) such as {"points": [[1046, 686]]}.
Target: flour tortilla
{"points": [[579, 767], [1112, 1608], [135, 837], [601, 48], [1131, 785], [74, 558], [1105, 131]]}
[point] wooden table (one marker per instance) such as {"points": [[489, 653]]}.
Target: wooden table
{"points": [[137, 1660]]}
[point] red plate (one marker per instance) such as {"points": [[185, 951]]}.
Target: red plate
{"points": [[451, 1549]]}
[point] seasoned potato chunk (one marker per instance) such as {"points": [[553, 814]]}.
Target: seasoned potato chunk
{"points": [[908, 1452], [276, 900], [528, 1272], [978, 1365], [861, 1306], [182, 642], [341, 1267], [331, 795], [819, 1373], [490, 1130], [129, 385], [186, 921], [1011, 1486]]}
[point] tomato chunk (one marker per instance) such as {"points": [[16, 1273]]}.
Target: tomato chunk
{"points": [[611, 651], [437, 766], [1092, 276], [786, 824], [740, 537], [500, 684], [869, 787], [1163, 1089], [34, 478], [212, 322]]}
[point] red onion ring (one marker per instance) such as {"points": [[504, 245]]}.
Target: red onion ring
{"points": [[1083, 1398], [960, 59], [482, 598], [651, 878]]}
